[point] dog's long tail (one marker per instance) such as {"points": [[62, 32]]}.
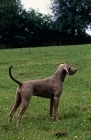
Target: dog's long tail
{"points": [[15, 80]]}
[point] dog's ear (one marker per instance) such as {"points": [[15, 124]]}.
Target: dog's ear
{"points": [[66, 69]]}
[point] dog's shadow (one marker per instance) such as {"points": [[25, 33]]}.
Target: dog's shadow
{"points": [[46, 118]]}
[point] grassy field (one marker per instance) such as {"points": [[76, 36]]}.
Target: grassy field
{"points": [[75, 102]]}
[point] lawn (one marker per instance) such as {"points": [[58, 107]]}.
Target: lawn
{"points": [[75, 101]]}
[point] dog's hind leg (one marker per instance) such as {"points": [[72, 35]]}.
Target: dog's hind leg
{"points": [[25, 104], [15, 106]]}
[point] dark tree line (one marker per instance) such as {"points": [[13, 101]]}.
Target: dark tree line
{"points": [[20, 28]]}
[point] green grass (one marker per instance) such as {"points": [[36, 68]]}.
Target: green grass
{"points": [[75, 102]]}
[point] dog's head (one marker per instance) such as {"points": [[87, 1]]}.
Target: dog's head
{"points": [[69, 69]]}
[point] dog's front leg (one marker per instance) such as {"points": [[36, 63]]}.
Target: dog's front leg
{"points": [[51, 107], [55, 103]]}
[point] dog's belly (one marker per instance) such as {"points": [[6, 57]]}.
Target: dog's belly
{"points": [[44, 94]]}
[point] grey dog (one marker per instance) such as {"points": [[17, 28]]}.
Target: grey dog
{"points": [[50, 87]]}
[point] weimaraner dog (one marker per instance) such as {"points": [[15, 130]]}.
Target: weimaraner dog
{"points": [[50, 87]]}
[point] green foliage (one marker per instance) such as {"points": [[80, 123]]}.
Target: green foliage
{"points": [[9, 21], [75, 102], [72, 19]]}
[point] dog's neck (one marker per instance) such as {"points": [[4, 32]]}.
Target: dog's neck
{"points": [[60, 74]]}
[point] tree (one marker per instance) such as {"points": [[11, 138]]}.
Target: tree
{"points": [[72, 18], [10, 12]]}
